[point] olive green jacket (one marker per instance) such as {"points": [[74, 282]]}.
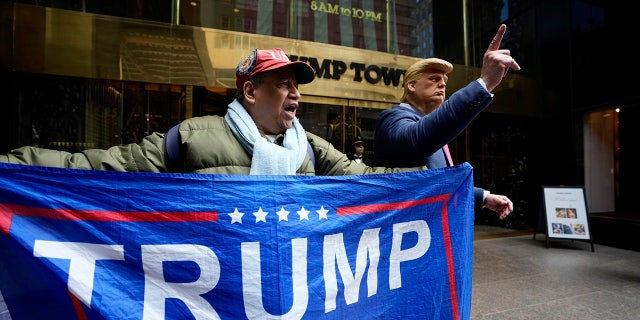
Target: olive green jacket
{"points": [[207, 145]]}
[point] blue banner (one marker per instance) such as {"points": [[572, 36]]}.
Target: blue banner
{"points": [[85, 244]]}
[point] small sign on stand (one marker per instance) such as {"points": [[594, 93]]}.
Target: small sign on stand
{"points": [[565, 214]]}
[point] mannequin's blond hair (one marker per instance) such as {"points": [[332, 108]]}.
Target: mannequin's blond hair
{"points": [[415, 71]]}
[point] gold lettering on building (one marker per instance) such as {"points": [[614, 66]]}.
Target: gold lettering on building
{"points": [[357, 13]]}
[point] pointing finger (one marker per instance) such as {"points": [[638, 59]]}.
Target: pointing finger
{"points": [[495, 43]]}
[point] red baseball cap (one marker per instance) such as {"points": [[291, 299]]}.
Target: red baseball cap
{"points": [[259, 61]]}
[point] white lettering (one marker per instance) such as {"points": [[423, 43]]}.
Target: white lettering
{"points": [[83, 257], [82, 262], [398, 255], [252, 281], [334, 254], [157, 290]]}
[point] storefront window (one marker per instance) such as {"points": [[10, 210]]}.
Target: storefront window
{"points": [[339, 124], [374, 25], [77, 114], [385, 26]]}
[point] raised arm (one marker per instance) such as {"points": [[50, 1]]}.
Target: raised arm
{"points": [[496, 62]]}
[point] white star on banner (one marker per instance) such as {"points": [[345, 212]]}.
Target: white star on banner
{"points": [[283, 214], [303, 213], [260, 215], [236, 216], [322, 213]]}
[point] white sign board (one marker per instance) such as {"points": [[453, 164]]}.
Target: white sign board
{"points": [[566, 212]]}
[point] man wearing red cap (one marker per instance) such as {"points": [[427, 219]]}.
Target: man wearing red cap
{"points": [[259, 135]]}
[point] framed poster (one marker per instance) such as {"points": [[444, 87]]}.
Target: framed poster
{"points": [[566, 214]]}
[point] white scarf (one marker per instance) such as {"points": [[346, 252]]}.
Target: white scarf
{"points": [[267, 158]]}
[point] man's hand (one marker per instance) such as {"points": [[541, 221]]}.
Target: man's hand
{"points": [[496, 62], [500, 204]]}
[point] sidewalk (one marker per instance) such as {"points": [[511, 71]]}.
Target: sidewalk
{"points": [[516, 277]]}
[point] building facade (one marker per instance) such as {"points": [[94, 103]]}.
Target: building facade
{"points": [[92, 74]]}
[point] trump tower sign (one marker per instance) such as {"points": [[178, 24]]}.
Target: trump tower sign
{"points": [[85, 244]]}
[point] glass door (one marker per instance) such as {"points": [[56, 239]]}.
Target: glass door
{"points": [[340, 123]]}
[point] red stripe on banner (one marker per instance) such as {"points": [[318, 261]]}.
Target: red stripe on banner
{"points": [[8, 210], [345, 211], [5, 220], [448, 248], [77, 305]]}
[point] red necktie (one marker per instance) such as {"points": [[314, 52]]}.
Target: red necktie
{"points": [[446, 152]]}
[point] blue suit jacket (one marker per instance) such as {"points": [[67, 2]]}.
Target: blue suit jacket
{"points": [[406, 138]]}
